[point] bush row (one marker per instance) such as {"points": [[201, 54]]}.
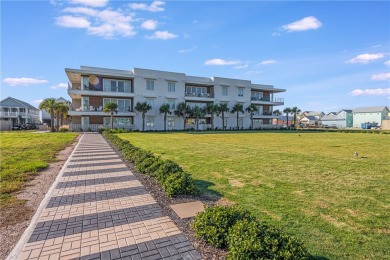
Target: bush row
{"points": [[168, 174], [245, 237]]}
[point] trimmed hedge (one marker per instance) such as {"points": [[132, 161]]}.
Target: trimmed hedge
{"points": [[244, 236], [170, 176]]}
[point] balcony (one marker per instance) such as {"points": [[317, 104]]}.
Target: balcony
{"points": [[98, 111], [75, 92], [264, 114], [191, 96], [267, 101]]}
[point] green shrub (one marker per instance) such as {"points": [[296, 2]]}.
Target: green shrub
{"points": [[252, 240], [166, 168], [152, 169], [142, 155], [179, 183], [146, 164], [212, 225]]}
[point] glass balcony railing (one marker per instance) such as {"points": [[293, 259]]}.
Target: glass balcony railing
{"points": [[202, 95], [276, 100]]}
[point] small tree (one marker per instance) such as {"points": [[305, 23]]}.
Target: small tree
{"points": [[287, 110], [277, 112], [295, 111], [211, 109], [182, 110], [49, 105], [223, 108], [198, 113], [237, 108], [61, 109], [143, 108], [111, 107], [165, 109], [251, 109]]}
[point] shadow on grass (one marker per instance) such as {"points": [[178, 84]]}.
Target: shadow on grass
{"points": [[316, 257], [205, 190]]}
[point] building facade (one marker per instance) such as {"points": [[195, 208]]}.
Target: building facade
{"points": [[91, 88], [341, 119], [369, 115], [18, 112]]}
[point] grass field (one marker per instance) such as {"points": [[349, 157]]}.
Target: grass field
{"points": [[308, 184], [23, 154]]}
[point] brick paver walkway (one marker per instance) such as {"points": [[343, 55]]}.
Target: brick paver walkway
{"points": [[99, 210]]}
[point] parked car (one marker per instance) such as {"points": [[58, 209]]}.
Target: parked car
{"points": [[28, 126], [16, 127]]}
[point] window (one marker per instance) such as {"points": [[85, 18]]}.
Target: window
{"points": [[171, 86], [118, 122], [149, 84], [197, 91], [224, 90], [85, 101], [124, 105], [240, 92], [150, 102], [194, 104], [256, 95], [85, 120], [149, 121], [171, 103], [113, 85], [171, 121]]}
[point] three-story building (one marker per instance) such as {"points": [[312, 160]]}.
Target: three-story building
{"points": [[91, 88]]}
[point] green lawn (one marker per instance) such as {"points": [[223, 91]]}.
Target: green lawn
{"points": [[23, 154], [308, 184]]}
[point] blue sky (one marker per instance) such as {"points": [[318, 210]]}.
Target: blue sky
{"points": [[327, 55]]}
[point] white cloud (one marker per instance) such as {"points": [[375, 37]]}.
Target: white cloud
{"points": [[387, 63], [383, 76], [307, 23], [60, 85], [193, 48], [105, 23], [149, 25], [162, 35], [37, 101], [366, 58], [275, 34], [72, 22], [23, 81], [92, 3], [155, 6], [265, 62], [371, 92], [244, 66], [221, 62]]}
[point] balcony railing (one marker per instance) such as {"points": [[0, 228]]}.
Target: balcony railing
{"points": [[275, 100], [202, 95], [96, 127], [98, 109], [262, 114], [92, 88]]}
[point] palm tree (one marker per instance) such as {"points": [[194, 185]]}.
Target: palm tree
{"points": [[182, 110], [198, 113], [143, 108], [165, 109], [287, 110], [295, 110], [251, 109], [111, 107], [49, 105], [277, 112], [211, 109], [60, 109], [223, 108], [237, 108]]}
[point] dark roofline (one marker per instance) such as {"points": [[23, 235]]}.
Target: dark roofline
{"points": [[24, 104]]}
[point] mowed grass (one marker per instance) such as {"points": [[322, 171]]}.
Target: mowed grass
{"points": [[308, 184], [25, 153]]}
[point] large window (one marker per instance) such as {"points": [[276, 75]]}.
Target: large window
{"points": [[149, 121], [171, 121], [194, 104], [150, 102], [197, 91], [149, 84], [171, 86], [114, 85], [124, 105], [256, 95], [240, 92], [225, 90], [118, 122], [171, 103]]}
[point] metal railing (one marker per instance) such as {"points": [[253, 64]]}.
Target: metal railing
{"points": [[202, 95], [276, 100], [96, 127]]}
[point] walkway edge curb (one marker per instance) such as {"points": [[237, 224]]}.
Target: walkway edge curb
{"points": [[16, 251]]}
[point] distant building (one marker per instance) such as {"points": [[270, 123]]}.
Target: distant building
{"points": [[45, 116], [309, 120], [341, 119], [318, 114], [281, 120], [369, 115], [18, 112]]}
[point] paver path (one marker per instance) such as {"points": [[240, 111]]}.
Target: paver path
{"points": [[99, 210]]}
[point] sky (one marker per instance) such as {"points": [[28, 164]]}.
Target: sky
{"points": [[328, 55]]}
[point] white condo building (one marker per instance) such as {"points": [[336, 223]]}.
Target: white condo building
{"points": [[90, 88]]}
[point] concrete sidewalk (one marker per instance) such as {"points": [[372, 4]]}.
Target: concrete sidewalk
{"points": [[99, 210]]}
